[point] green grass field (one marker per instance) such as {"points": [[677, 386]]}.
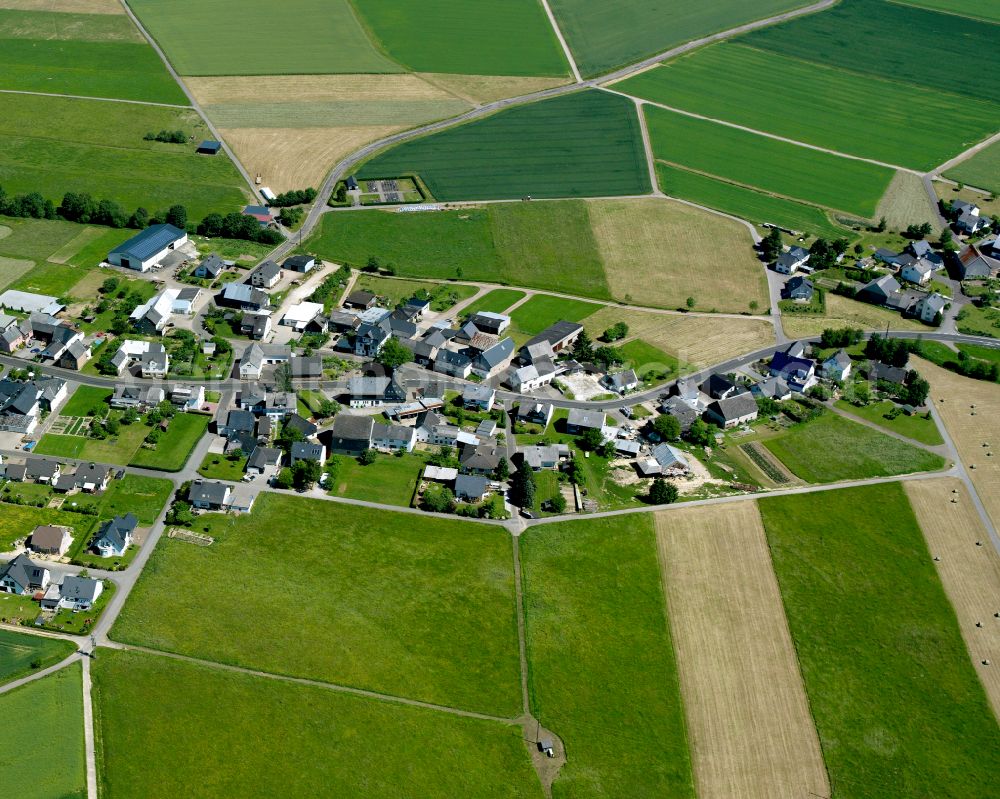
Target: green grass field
{"points": [[97, 147], [321, 36], [836, 36], [981, 170], [35, 239], [834, 448], [17, 521], [86, 398], [175, 446], [391, 480], [143, 496], [546, 245], [482, 37], [53, 279], [93, 55], [896, 700], [643, 356], [18, 652], [442, 295], [987, 11], [767, 164], [118, 449], [200, 731], [858, 114], [397, 604], [747, 204], [496, 301], [583, 144], [543, 310], [219, 467], [53, 704], [604, 35], [601, 666], [916, 426]]}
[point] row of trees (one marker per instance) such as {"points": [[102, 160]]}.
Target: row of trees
{"points": [[237, 226], [293, 197], [168, 136], [606, 356]]}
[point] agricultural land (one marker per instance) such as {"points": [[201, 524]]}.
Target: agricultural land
{"points": [[22, 654]]}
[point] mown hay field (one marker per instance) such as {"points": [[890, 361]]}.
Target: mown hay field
{"points": [[906, 202], [659, 253], [237, 89], [754, 206], [601, 665], [98, 147], [200, 726], [583, 144], [321, 36], [773, 166], [981, 170], [481, 89], [604, 35], [697, 341], [44, 25], [969, 571], [748, 718], [858, 114], [75, 6], [403, 113], [845, 312], [897, 704], [484, 37]]}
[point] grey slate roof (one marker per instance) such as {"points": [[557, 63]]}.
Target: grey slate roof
{"points": [[115, 530], [210, 492]]}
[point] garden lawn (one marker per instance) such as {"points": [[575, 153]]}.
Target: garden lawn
{"points": [[391, 480], [605, 35], [768, 164], [321, 36], [201, 727], [18, 652], [754, 206], [543, 310], [80, 59], [496, 301], [480, 37], [981, 170], [442, 295], [833, 448], [862, 115], [601, 664], [583, 144], [98, 147], [896, 700], [118, 450], [86, 398], [175, 445], [914, 426], [644, 357], [142, 496], [53, 704], [977, 321], [982, 353], [56, 280], [403, 605], [17, 522]]}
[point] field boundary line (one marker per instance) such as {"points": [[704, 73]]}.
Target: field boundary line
{"points": [[562, 41], [98, 99], [647, 146], [254, 193], [522, 645], [69, 660], [328, 686], [765, 134], [88, 732], [965, 155]]}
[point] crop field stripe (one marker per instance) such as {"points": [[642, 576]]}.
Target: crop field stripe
{"points": [[981, 170], [913, 126], [896, 702], [748, 718], [775, 166], [969, 572], [988, 12], [331, 113], [744, 203]]}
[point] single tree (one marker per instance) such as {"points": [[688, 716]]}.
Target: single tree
{"points": [[393, 354], [662, 492], [667, 427]]}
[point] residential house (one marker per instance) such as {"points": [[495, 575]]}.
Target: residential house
{"points": [[265, 276], [22, 576], [300, 263], [12, 334], [307, 366], [793, 260], [343, 322], [471, 488], [307, 451], [151, 356], [481, 459], [42, 470], [187, 397], [92, 477], [394, 437], [734, 410], [664, 460], [54, 333], [115, 536], [348, 435], [252, 363], [242, 297], [20, 406], [260, 401], [362, 300], [440, 474], [299, 423], [928, 308], [799, 289], [884, 373], [209, 494], [479, 397], [719, 387], [77, 593], [922, 249], [456, 364], [794, 368], [493, 359], [532, 377], [975, 264], [368, 392], [134, 395], [772, 388], [239, 424], [256, 324], [147, 248], [302, 315], [918, 272], [153, 316], [621, 382], [681, 411], [491, 323], [969, 220], [264, 459], [369, 340], [74, 356], [49, 540], [579, 421], [544, 456], [539, 413], [559, 336], [838, 366], [210, 268]]}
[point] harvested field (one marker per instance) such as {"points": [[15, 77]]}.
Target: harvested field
{"points": [[658, 253], [905, 202], [313, 88], [696, 340], [41, 26], [749, 724], [74, 6], [481, 89], [319, 114], [845, 312], [970, 574], [12, 269], [954, 397], [290, 158]]}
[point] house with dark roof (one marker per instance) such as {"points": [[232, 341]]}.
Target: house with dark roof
{"points": [[79, 593], [456, 364], [74, 356], [879, 290], [307, 451], [115, 536], [718, 386], [793, 260], [209, 494], [580, 420], [136, 395], [92, 477], [481, 459], [362, 300], [299, 263], [369, 340], [242, 297], [296, 422], [492, 323], [544, 456], [884, 373], [838, 366], [348, 435], [22, 576], [681, 411], [42, 470], [974, 264], [265, 276], [147, 248], [307, 366], [50, 540], [494, 359], [264, 458], [539, 413], [733, 411], [210, 268], [794, 368], [559, 336], [772, 388], [368, 392], [799, 288], [621, 382], [471, 488]]}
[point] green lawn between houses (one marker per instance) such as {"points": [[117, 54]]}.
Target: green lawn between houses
{"points": [[391, 480], [833, 448], [915, 426], [17, 522], [496, 301], [601, 666], [200, 729], [543, 310], [18, 652], [52, 706], [897, 703], [404, 605]]}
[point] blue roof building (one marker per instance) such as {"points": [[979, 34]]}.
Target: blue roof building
{"points": [[145, 249], [209, 147]]}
